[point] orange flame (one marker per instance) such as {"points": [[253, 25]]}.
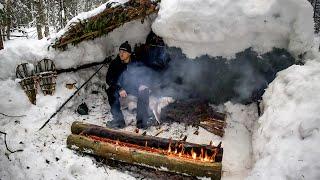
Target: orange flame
{"points": [[193, 154], [169, 148]]}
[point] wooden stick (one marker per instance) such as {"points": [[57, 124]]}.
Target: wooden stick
{"points": [[5, 142]]}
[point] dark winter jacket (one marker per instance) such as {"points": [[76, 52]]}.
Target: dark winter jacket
{"points": [[116, 68], [127, 76]]}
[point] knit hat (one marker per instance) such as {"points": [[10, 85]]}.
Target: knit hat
{"points": [[125, 47]]}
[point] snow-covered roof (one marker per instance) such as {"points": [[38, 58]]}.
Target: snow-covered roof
{"points": [[101, 21]]}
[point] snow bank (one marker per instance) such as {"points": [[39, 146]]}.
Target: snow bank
{"points": [[287, 141], [20, 51], [223, 28], [30, 50]]}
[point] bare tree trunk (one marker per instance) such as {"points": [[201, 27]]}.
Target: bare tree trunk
{"points": [[62, 14], [8, 17], [46, 19], [39, 17], [1, 42]]}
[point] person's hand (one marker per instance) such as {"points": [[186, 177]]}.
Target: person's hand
{"points": [[123, 93]]}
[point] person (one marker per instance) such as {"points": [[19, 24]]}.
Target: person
{"points": [[155, 54], [123, 78]]}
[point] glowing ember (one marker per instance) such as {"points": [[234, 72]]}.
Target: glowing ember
{"points": [[179, 150]]}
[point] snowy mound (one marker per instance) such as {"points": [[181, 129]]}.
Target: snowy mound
{"points": [[286, 143], [223, 28]]}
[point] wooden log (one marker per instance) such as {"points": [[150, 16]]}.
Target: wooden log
{"points": [[134, 138], [140, 157]]}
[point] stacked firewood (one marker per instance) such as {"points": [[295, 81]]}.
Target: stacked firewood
{"points": [[111, 18], [196, 113]]}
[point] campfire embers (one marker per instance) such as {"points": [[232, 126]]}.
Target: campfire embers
{"points": [[176, 156]]}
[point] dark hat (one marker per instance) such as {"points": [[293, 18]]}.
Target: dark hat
{"points": [[125, 47]]}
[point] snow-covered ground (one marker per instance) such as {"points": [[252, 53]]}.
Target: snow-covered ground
{"points": [[281, 144], [45, 155]]}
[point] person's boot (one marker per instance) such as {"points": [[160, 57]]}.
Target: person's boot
{"points": [[118, 119], [116, 124]]}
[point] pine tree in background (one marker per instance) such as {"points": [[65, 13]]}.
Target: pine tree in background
{"points": [[42, 14], [1, 24], [39, 17], [45, 18], [8, 15]]}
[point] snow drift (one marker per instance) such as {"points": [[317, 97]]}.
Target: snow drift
{"points": [[223, 28], [286, 142]]}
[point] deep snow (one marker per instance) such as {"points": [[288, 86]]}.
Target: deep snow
{"points": [[285, 138], [223, 28]]}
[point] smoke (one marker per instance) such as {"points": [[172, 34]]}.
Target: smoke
{"points": [[215, 79]]}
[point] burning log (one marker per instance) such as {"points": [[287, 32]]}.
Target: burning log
{"points": [[176, 156], [195, 113]]}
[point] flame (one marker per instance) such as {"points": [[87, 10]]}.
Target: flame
{"points": [[202, 156], [193, 154], [169, 148], [146, 144], [206, 157], [179, 150]]}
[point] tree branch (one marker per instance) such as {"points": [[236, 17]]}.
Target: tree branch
{"points": [[11, 116]]}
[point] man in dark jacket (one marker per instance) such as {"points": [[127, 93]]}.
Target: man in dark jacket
{"points": [[123, 78]]}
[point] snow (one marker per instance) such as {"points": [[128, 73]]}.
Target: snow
{"points": [[95, 51], [30, 50], [281, 144], [86, 15], [45, 155], [1, 6], [223, 28], [286, 141]]}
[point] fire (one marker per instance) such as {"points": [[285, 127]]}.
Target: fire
{"points": [[193, 154], [202, 156], [179, 150], [206, 157], [169, 149]]}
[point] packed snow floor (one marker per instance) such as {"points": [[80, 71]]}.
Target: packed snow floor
{"points": [[45, 155]]}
